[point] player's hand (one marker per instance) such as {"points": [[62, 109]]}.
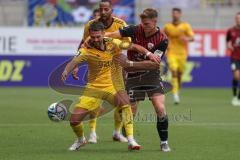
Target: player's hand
{"points": [[75, 73], [154, 58], [64, 76]]}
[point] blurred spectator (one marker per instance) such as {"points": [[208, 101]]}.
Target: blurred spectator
{"points": [[96, 13]]}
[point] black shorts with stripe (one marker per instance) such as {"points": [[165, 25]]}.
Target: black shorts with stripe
{"points": [[142, 84]]}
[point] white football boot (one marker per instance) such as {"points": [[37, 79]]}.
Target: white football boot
{"points": [[119, 137], [133, 145], [235, 101], [77, 144], [165, 147]]}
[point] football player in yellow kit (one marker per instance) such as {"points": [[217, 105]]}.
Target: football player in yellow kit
{"points": [[111, 24], [105, 82], [179, 33]]}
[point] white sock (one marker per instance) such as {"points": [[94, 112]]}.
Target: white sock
{"points": [[163, 142], [115, 132], [93, 133], [130, 139]]}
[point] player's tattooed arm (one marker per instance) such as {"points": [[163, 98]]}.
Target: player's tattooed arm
{"points": [[134, 66]]}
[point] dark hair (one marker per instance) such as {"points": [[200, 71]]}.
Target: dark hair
{"points": [[109, 1], [177, 9], [149, 13], [96, 26], [96, 10], [238, 13]]}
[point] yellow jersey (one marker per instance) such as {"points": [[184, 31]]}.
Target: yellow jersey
{"points": [[102, 72], [116, 25], [174, 32]]}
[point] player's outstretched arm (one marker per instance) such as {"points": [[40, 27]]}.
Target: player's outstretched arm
{"points": [[69, 68], [150, 55], [134, 66]]}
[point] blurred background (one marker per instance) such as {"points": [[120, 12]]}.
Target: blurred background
{"points": [[38, 35]]}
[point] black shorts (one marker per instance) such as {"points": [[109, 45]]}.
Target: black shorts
{"points": [[140, 84], [235, 64]]}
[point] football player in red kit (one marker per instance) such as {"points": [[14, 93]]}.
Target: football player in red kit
{"points": [[233, 44]]}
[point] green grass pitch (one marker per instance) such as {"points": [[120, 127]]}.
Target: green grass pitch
{"points": [[203, 127]]}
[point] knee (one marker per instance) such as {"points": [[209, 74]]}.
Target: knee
{"points": [[74, 122]]}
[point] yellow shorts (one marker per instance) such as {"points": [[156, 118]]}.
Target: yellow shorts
{"points": [[92, 98], [176, 63]]}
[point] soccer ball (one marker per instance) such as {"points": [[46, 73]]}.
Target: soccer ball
{"points": [[57, 112]]}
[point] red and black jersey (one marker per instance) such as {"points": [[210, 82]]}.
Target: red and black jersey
{"points": [[233, 36], [157, 41]]}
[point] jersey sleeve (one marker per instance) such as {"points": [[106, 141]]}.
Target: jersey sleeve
{"points": [[189, 31], [121, 45], [229, 36], [81, 57], [128, 31], [162, 46]]}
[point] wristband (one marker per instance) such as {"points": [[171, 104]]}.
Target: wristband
{"points": [[131, 63], [148, 53]]}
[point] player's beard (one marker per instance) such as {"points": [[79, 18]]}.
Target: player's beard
{"points": [[97, 44], [105, 18]]}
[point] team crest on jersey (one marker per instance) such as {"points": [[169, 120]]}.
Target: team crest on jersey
{"points": [[150, 46]]}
